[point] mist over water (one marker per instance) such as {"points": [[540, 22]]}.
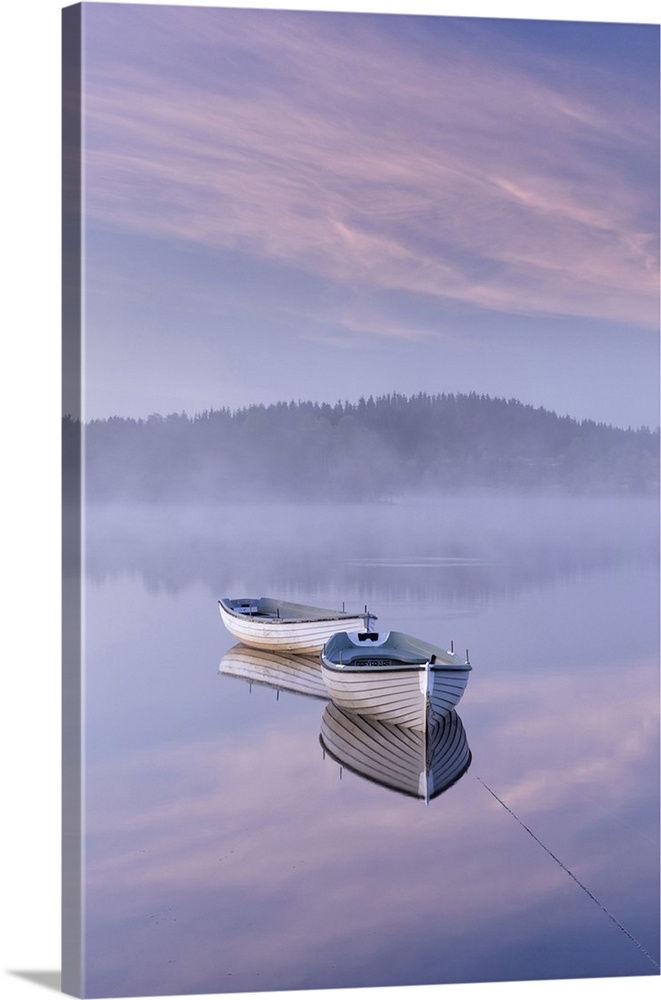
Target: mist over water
{"points": [[481, 544]]}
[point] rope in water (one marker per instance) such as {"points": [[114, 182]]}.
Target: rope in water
{"points": [[571, 874]]}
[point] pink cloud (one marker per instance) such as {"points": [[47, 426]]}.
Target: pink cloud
{"points": [[370, 166]]}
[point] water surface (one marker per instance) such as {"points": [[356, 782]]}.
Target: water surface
{"points": [[226, 851]]}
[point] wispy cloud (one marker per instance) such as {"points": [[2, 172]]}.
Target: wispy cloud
{"points": [[430, 167], [588, 753]]}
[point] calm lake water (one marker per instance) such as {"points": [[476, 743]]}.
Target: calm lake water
{"points": [[226, 852]]}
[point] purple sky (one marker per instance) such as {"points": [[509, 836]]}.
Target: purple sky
{"points": [[290, 205]]}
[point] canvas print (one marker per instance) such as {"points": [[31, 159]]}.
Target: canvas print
{"points": [[361, 482]]}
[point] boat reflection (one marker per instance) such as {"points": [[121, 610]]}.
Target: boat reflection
{"points": [[415, 762], [282, 671], [421, 764]]}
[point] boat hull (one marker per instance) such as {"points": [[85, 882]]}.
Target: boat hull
{"points": [[402, 697], [393, 677], [299, 629]]}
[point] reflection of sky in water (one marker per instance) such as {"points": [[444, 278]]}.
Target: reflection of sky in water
{"points": [[226, 854]]}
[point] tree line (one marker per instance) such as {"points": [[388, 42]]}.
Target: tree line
{"points": [[377, 448]]}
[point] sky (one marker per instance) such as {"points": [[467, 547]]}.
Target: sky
{"points": [[308, 205]]}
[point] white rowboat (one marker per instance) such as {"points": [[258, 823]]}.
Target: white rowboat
{"points": [[392, 676], [282, 626]]}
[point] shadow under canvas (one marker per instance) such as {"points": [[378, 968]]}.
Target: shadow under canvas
{"points": [[50, 980]]}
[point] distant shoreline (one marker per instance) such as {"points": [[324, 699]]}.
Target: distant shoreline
{"points": [[375, 449]]}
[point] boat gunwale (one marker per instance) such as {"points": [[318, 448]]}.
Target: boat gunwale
{"points": [[328, 616], [436, 658]]}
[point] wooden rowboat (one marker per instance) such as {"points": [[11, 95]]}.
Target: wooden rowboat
{"points": [[282, 626], [422, 765], [393, 676]]}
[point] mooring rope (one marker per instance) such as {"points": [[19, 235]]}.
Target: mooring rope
{"points": [[571, 874]]}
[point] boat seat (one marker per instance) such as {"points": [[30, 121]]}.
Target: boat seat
{"points": [[374, 660]]}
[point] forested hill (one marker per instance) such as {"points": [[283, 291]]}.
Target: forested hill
{"points": [[374, 449]]}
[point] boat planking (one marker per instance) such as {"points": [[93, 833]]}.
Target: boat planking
{"points": [[393, 676], [284, 626], [422, 765]]}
